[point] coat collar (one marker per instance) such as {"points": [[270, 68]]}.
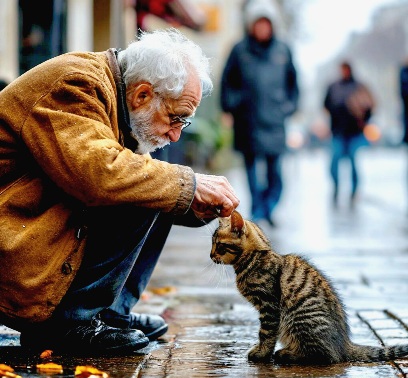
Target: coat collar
{"points": [[123, 113]]}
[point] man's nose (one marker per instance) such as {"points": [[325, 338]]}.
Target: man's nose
{"points": [[174, 134]]}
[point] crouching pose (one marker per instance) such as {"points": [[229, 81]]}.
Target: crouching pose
{"points": [[84, 209]]}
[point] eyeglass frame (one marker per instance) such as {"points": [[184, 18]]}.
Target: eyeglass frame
{"points": [[185, 122]]}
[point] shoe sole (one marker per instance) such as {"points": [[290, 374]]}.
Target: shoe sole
{"points": [[128, 347], [157, 332], [91, 351], [123, 350]]}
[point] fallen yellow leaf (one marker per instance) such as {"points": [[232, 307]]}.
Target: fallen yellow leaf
{"points": [[7, 371], [145, 296], [6, 367], [89, 372], [163, 290], [50, 368], [46, 354]]}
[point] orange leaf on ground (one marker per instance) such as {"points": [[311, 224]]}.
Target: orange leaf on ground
{"points": [[89, 372], [6, 367], [145, 296], [50, 368], [163, 290], [7, 371], [46, 354]]}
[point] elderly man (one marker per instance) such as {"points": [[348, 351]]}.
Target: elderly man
{"points": [[84, 209]]}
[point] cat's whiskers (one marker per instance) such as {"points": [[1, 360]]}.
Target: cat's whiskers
{"points": [[222, 273], [208, 266], [220, 276], [208, 226], [213, 272]]}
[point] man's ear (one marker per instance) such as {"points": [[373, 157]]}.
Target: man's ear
{"points": [[141, 95]]}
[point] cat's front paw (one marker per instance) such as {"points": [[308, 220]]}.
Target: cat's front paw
{"points": [[258, 354]]}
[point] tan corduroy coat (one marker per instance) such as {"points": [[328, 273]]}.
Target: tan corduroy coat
{"points": [[60, 152]]}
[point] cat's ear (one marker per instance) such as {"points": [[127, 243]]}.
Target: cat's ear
{"points": [[237, 223]]}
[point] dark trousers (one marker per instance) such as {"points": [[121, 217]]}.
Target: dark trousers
{"points": [[265, 183], [122, 250], [345, 148]]}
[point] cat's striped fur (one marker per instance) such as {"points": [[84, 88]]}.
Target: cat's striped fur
{"points": [[297, 304]]}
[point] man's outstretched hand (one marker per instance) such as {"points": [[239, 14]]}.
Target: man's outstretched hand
{"points": [[214, 196]]}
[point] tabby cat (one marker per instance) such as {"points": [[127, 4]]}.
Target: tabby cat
{"points": [[297, 304]]}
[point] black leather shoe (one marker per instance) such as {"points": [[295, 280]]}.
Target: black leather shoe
{"points": [[93, 338], [153, 326]]}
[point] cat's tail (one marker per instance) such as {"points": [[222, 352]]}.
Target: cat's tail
{"points": [[365, 353]]}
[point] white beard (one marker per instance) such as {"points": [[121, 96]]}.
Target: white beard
{"points": [[143, 129]]}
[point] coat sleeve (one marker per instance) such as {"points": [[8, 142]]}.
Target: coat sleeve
{"points": [[292, 88], [70, 133], [403, 81], [231, 86], [327, 99]]}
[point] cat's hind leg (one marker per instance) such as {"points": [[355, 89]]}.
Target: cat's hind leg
{"points": [[286, 356], [260, 353]]}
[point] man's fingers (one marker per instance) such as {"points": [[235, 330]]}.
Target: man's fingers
{"points": [[214, 196]]}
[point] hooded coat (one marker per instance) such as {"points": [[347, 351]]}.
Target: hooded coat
{"points": [[61, 151], [259, 88]]}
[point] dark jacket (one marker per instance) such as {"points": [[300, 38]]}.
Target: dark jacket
{"points": [[404, 97], [259, 88], [348, 115]]}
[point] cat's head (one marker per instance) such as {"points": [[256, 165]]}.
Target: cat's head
{"points": [[229, 239]]}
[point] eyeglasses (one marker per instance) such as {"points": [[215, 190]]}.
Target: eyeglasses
{"points": [[178, 122]]}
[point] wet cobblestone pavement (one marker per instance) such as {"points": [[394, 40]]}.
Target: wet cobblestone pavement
{"points": [[363, 248]]}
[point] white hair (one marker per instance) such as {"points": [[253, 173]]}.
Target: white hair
{"points": [[164, 59]]}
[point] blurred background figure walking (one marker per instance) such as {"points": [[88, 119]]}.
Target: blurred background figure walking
{"points": [[403, 81], [259, 89], [350, 105], [404, 98]]}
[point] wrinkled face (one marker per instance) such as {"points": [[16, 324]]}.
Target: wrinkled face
{"points": [[226, 241], [143, 128], [157, 121]]}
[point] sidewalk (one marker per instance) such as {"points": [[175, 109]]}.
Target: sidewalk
{"points": [[363, 249]]}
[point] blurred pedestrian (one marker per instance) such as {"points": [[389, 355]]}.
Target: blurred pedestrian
{"points": [[84, 209], [403, 81], [350, 105], [259, 89]]}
